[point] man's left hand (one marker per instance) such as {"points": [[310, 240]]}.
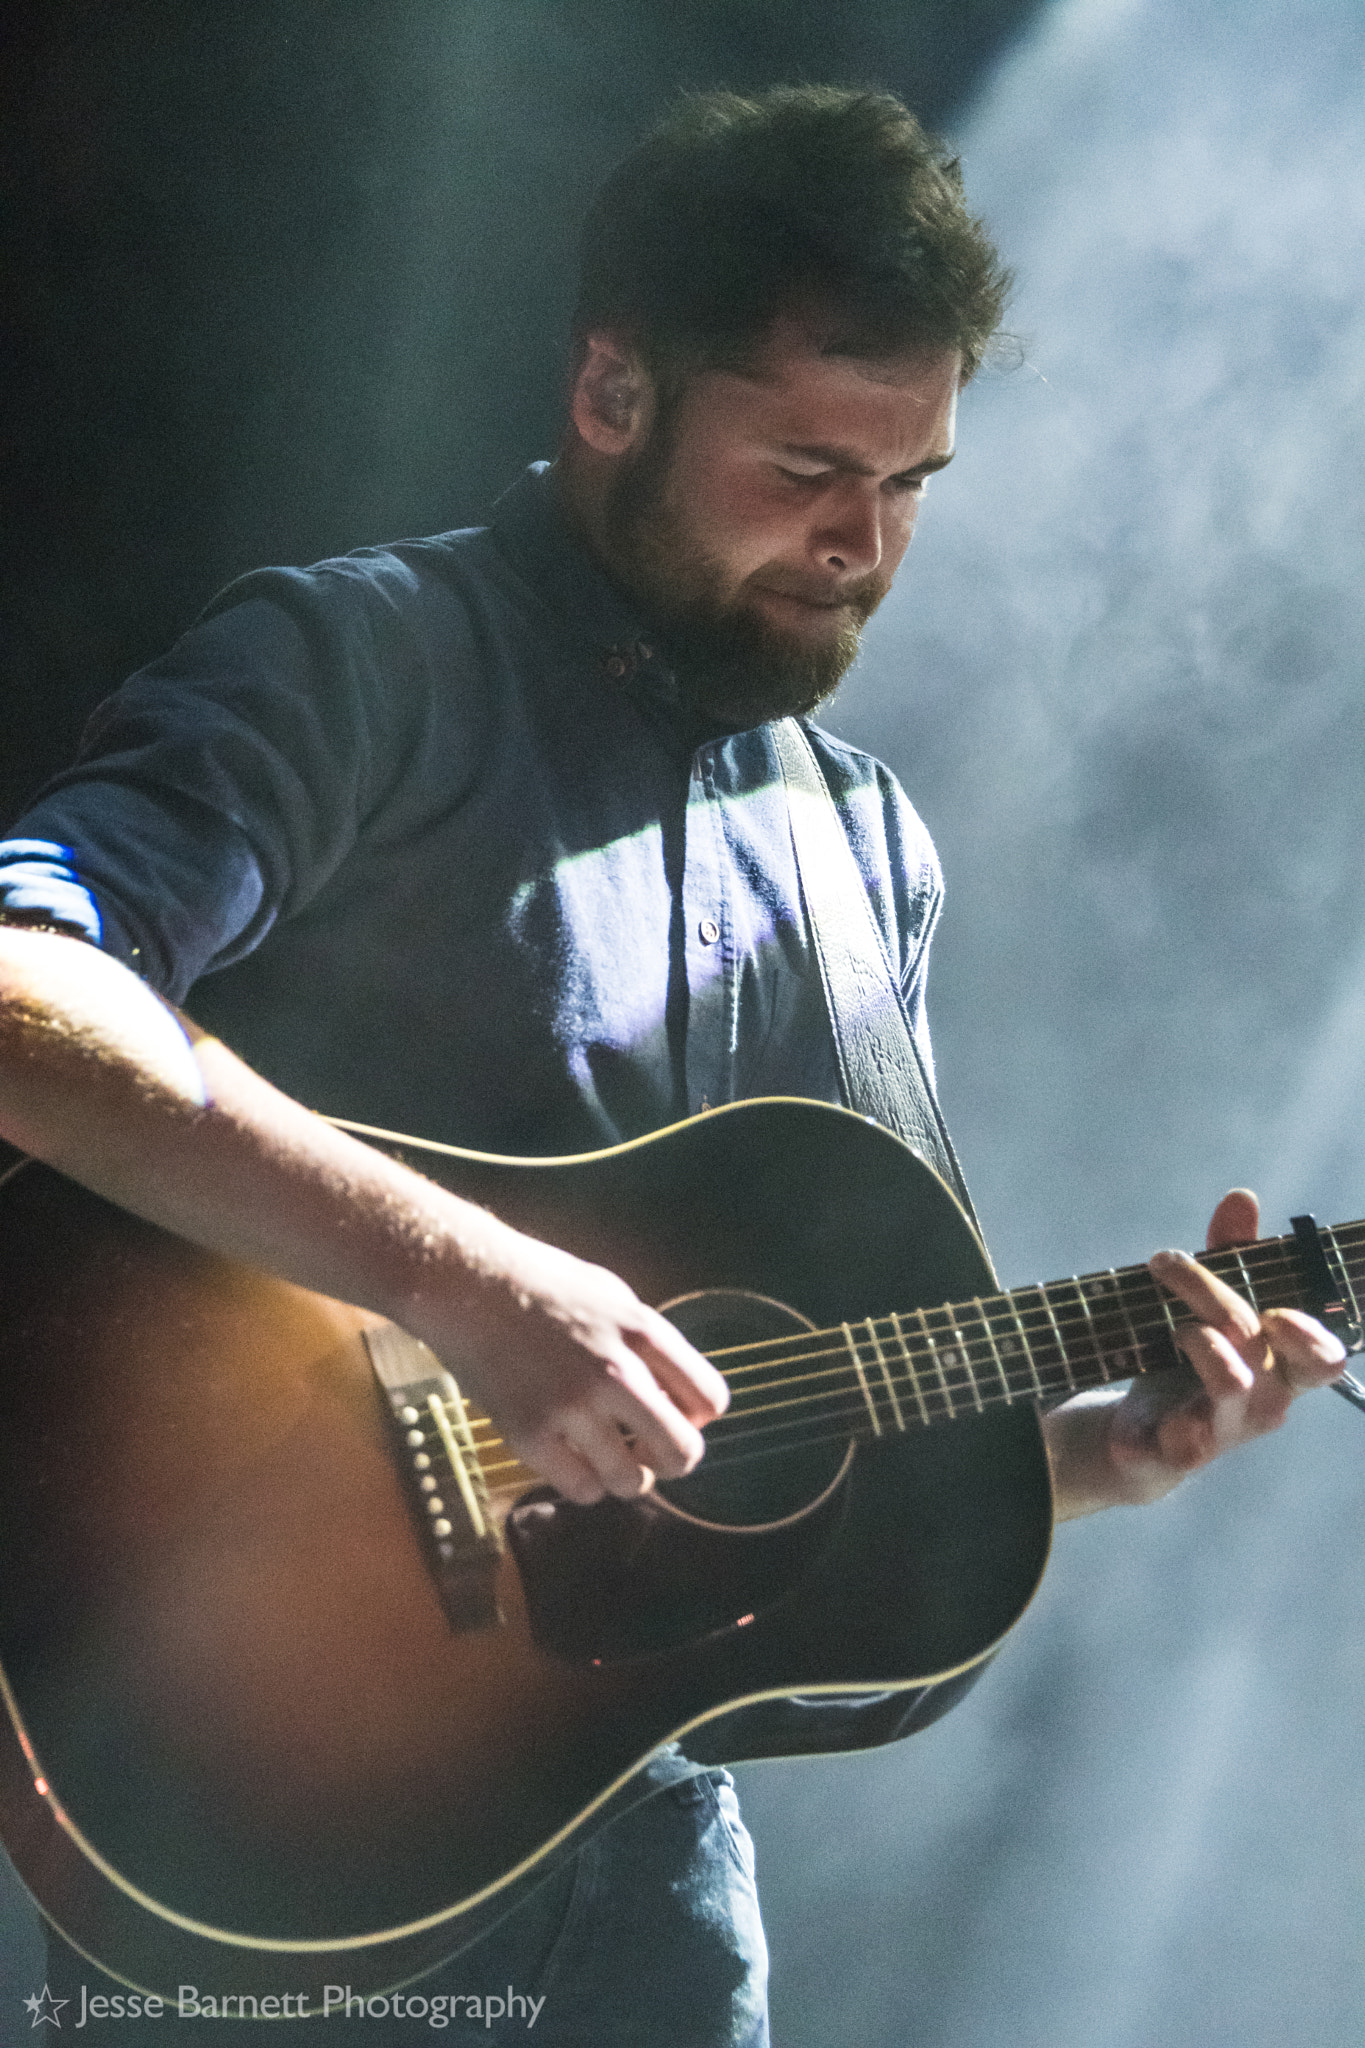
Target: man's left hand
{"points": [[1243, 1370]]}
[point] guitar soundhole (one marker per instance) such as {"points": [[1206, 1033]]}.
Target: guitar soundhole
{"points": [[700, 1557], [752, 1475]]}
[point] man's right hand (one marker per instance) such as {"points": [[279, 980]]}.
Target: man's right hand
{"points": [[100, 1079], [596, 1391]]}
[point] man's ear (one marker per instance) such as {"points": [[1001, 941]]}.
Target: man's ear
{"points": [[612, 401]]}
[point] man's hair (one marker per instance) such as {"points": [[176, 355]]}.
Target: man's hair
{"points": [[813, 200]]}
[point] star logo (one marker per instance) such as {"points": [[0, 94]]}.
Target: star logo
{"points": [[44, 2007]]}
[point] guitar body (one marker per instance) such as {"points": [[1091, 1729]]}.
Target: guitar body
{"points": [[265, 1758]]}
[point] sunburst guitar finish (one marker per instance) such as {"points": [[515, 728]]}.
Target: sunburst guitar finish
{"points": [[306, 1679]]}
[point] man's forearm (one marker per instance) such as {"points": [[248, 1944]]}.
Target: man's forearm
{"points": [[589, 1385], [98, 1078]]}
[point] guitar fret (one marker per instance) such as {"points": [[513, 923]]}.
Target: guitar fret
{"points": [[955, 1360], [1046, 1293], [862, 1379], [964, 1344], [1007, 1336], [1029, 1358], [1337, 1237], [1266, 1283], [1135, 1342], [1006, 1390], [1113, 1361], [1035, 1321], [1067, 1306], [1093, 1333], [1247, 1281], [1282, 1284], [881, 1359], [1045, 1342], [1342, 1272], [937, 1363], [910, 1368]]}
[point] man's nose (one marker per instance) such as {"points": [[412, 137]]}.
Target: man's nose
{"points": [[850, 539]]}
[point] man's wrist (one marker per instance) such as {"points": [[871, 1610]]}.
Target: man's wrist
{"points": [[1088, 1472]]}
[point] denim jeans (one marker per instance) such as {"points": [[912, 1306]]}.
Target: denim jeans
{"points": [[649, 1938]]}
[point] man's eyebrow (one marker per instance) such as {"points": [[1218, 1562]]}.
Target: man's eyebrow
{"points": [[846, 459]]}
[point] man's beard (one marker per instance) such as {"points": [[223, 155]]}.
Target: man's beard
{"points": [[732, 664]]}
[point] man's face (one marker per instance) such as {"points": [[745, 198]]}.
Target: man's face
{"points": [[761, 520]]}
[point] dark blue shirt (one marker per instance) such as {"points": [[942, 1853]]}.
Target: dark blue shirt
{"points": [[424, 834]]}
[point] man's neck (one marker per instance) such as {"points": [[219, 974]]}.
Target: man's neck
{"points": [[583, 481]]}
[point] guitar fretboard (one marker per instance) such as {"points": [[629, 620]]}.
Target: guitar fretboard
{"points": [[887, 1374]]}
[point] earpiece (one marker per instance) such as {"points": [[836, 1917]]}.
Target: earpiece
{"points": [[609, 391], [616, 399]]}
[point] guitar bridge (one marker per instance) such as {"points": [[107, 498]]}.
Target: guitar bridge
{"points": [[459, 1532]]}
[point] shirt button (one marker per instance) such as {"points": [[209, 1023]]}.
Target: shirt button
{"points": [[708, 931]]}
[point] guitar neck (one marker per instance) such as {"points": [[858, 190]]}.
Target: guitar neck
{"points": [[886, 1374]]}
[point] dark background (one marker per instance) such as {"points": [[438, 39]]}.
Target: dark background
{"points": [[289, 278]]}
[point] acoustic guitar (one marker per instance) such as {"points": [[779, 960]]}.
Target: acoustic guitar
{"points": [[308, 1681]]}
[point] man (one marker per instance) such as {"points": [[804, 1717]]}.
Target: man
{"points": [[484, 837]]}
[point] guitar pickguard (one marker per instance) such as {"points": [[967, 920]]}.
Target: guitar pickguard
{"points": [[627, 1579]]}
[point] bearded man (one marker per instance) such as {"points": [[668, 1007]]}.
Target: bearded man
{"points": [[485, 836]]}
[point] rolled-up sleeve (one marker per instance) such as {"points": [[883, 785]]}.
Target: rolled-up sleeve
{"points": [[222, 786]]}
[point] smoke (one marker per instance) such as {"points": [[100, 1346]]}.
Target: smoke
{"points": [[1121, 676], [1121, 673]]}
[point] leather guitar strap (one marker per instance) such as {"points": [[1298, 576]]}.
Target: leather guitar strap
{"points": [[881, 1072]]}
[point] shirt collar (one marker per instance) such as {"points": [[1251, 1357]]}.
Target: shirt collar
{"points": [[530, 528], [596, 618]]}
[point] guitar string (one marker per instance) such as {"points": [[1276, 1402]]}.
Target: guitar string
{"points": [[961, 1389], [1001, 1382], [971, 1326], [1019, 1381], [1120, 1290], [1113, 1285], [837, 1423], [795, 1432], [851, 1418]]}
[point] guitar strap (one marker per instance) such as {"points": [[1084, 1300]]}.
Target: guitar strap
{"points": [[881, 1071]]}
